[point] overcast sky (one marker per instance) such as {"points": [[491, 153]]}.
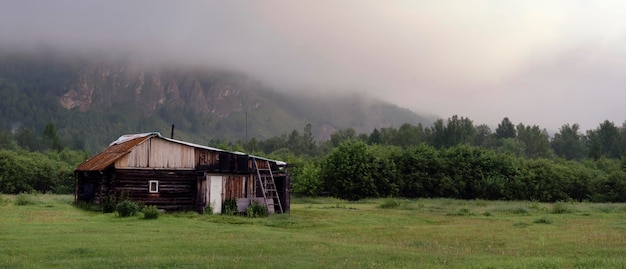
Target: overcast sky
{"points": [[537, 62]]}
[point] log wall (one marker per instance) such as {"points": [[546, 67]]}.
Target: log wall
{"points": [[92, 186], [177, 188]]}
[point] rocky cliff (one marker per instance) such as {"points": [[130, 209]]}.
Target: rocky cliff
{"points": [[94, 100], [103, 85]]}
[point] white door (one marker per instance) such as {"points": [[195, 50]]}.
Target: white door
{"points": [[215, 193]]}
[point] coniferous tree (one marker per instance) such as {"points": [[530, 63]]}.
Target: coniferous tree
{"points": [[50, 138], [604, 141], [375, 137], [568, 142], [505, 129]]}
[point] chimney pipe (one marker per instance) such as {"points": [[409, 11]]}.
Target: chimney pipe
{"points": [[172, 135]]}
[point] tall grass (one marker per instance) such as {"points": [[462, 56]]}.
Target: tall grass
{"points": [[25, 199], [319, 233]]}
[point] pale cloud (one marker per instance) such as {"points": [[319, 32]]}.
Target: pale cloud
{"points": [[537, 62]]}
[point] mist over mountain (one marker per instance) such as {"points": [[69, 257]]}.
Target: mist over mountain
{"points": [[94, 98]]}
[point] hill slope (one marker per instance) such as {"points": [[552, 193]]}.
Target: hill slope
{"points": [[93, 100]]}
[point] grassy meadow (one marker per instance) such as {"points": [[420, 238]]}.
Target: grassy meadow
{"points": [[47, 231]]}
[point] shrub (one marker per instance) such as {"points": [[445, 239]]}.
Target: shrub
{"points": [[520, 224], [543, 220], [534, 205], [256, 210], [308, 181], [127, 208], [108, 204], [24, 199], [4, 201], [229, 207], [519, 211], [560, 208], [390, 203], [208, 209], [347, 171], [605, 209], [461, 212], [88, 206], [150, 212]]}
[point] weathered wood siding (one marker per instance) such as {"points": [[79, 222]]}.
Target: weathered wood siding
{"points": [[237, 187], [182, 170], [233, 187], [207, 159], [262, 164], [92, 186], [282, 186], [158, 153], [177, 188]]}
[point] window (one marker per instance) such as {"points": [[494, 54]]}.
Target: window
{"points": [[153, 186]]}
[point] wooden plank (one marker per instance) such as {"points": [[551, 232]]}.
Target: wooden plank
{"points": [[242, 204]]}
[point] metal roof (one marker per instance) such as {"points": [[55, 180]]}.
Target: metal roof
{"points": [[220, 150], [114, 152], [124, 145]]}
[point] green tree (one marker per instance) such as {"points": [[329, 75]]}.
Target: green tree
{"points": [[536, 141], [387, 135], [421, 171], [273, 143], [308, 181], [309, 146], [485, 137], [347, 171], [408, 135], [604, 141], [438, 134], [302, 144], [505, 129], [568, 142], [252, 145], [457, 130], [7, 141], [467, 167], [460, 130], [50, 138], [294, 142], [23, 171], [342, 135], [385, 170], [27, 140], [375, 137], [512, 146]]}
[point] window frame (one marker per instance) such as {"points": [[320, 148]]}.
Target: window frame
{"points": [[156, 190]]}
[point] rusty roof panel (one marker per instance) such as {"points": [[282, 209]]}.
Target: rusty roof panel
{"points": [[113, 153], [125, 144]]}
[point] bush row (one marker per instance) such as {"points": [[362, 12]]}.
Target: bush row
{"points": [[23, 171], [355, 170]]}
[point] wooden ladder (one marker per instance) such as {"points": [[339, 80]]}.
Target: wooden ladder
{"points": [[268, 187]]}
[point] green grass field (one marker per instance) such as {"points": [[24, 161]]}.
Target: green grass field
{"points": [[319, 233]]}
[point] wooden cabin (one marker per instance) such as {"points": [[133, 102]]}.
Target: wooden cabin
{"points": [[178, 176]]}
